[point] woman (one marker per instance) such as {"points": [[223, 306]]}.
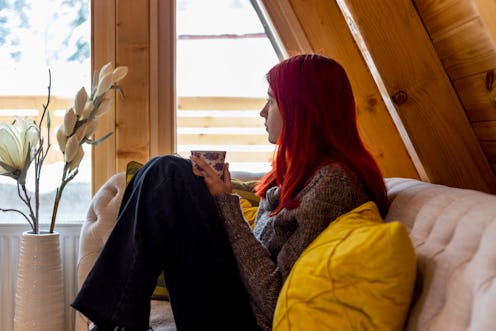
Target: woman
{"points": [[188, 224]]}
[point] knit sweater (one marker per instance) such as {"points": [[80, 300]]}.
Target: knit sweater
{"points": [[266, 254]]}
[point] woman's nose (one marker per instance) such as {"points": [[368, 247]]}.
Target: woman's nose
{"points": [[263, 112]]}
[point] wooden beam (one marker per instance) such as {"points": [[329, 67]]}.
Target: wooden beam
{"points": [[287, 26], [426, 102]]}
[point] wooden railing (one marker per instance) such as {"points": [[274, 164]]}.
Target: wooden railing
{"points": [[226, 123], [31, 107]]}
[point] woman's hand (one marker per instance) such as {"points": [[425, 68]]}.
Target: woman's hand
{"points": [[214, 183]]}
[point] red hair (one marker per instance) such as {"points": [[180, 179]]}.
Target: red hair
{"points": [[317, 107]]}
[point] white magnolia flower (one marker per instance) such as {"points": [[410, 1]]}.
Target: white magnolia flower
{"points": [[18, 143]]}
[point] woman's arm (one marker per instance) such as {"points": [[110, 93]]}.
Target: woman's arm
{"points": [[259, 272], [332, 192]]}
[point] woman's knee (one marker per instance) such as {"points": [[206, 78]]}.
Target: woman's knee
{"points": [[167, 164], [168, 168]]}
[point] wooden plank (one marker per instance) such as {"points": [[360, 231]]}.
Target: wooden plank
{"points": [[429, 108], [33, 102], [487, 12], [219, 103], [220, 122], [485, 130], [466, 50], [133, 49], [102, 51], [479, 103], [328, 34], [217, 139], [440, 16], [490, 148], [237, 156]]}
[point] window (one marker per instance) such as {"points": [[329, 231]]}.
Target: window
{"points": [[223, 54], [36, 36]]}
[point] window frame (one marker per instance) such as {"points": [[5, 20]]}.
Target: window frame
{"points": [[138, 34]]}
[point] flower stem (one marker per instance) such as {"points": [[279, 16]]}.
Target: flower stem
{"points": [[58, 194]]}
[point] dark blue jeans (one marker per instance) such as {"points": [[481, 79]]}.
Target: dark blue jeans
{"points": [[168, 221]]}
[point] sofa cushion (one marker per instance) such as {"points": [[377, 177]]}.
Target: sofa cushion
{"points": [[358, 274], [453, 232]]}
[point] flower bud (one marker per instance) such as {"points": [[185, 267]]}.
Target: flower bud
{"points": [[103, 108], [70, 119], [80, 101], [88, 108], [77, 159], [91, 128], [61, 138], [106, 69], [104, 84], [80, 132], [119, 73], [71, 149]]}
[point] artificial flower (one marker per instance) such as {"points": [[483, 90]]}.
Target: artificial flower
{"points": [[18, 144], [22, 144]]}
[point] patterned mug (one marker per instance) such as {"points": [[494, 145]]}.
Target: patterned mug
{"points": [[215, 159]]}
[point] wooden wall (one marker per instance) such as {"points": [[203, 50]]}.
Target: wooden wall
{"points": [[463, 33], [389, 54], [318, 26]]}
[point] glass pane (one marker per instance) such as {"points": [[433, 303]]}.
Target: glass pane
{"points": [[35, 37], [223, 55]]}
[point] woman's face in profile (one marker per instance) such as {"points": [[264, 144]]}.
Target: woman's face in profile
{"points": [[273, 120]]}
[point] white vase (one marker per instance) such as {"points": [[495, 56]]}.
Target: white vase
{"points": [[39, 301]]}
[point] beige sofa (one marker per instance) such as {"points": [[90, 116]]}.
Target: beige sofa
{"points": [[453, 231]]}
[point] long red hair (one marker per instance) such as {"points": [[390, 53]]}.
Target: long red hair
{"points": [[317, 107]]}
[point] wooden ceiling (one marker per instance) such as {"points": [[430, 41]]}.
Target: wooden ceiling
{"points": [[423, 75]]}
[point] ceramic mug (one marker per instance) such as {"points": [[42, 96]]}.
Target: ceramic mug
{"points": [[214, 159]]}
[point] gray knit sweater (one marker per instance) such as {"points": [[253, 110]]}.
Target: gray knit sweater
{"points": [[266, 255]]}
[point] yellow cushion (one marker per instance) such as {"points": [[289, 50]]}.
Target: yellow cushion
{"points": [[249, 211], [249, 200], [131, 169], [245, 188], [358, 274]]}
